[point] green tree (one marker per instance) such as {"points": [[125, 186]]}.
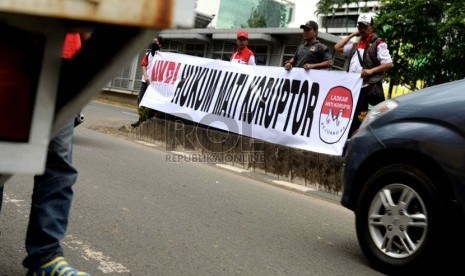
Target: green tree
{"points": [[256, 19], [426, 39], [324, 7]]}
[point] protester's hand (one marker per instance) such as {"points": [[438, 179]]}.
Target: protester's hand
{"points": [[288, 66], [307, 66], [147, 80], [366, 73]]}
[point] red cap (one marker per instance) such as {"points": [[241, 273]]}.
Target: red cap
{"points": [[243, 34]]}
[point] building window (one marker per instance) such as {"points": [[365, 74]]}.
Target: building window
{"points": [[129, 77], [197, 50], [288, 52], [223, 50], [341, 21], [171, 46], [261, 54]]}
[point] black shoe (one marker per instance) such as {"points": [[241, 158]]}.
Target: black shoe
{"points": [[135, 124]]}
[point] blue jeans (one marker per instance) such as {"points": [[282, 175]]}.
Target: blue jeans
{"points": [[51, 201]]}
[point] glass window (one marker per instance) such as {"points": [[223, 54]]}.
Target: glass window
{"points": [[261, 54], [171, 46], [223, 50], [195, 50]]}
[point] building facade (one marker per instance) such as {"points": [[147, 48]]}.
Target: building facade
{"points": [[247, 13], [342, 20]]}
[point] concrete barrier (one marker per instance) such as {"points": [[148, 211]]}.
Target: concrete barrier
{"points": [[200, 144]]}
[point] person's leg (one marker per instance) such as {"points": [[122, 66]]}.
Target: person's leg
{"points": [[143, 87], [150, 113], [362, 106], [144, 112], [51, 201], [375, 95], [140, 110]]}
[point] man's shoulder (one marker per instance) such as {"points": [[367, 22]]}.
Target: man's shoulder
{"points": [[377, 39], [249, 51], [319, 45]]}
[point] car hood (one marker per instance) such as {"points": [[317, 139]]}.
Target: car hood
{"points": [[443, 103]]}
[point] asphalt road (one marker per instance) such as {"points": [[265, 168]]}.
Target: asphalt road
{"points": [[134, 213]]}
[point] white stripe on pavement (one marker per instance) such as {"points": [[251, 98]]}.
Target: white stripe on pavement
{"points": [[231, 168], [293, 186], [104, 263], [129, 113], [145, 143]]}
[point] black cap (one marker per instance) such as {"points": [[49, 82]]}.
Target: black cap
{"points": [[310, 25]]}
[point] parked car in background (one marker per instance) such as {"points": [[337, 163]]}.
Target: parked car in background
{"points": [[404, 178]]}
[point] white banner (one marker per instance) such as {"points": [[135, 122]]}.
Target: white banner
{"points": [[309, 110]]}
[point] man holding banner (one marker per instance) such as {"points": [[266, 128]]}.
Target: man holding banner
{"points": [[243, 55], [147, 65], [370, 58], [312, 54]]}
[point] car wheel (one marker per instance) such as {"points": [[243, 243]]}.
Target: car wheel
{"points": [[399, 218]]}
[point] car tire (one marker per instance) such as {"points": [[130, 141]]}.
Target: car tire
{"points": [[399, 218]]}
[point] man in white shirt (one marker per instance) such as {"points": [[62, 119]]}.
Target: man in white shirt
{"points": [[370, 57]]}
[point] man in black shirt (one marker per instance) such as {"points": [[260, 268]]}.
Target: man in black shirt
{"points": [[312, 54]]}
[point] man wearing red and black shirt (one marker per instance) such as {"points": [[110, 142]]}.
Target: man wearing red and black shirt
{"points": [[369, 57], [243, 54]]}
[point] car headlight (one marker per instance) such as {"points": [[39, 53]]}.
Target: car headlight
{"points": [[378, 111]]}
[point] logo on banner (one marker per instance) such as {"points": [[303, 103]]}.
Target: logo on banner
{"points": [[335, 114]]}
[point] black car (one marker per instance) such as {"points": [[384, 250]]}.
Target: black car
{"points": [[404, 178]]}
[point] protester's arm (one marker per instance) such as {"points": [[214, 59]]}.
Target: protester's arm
{"points": [[380, 68], [339, 47], [144, 64], [145, 74], [288, 64], [325, 64], [385, 59]]}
